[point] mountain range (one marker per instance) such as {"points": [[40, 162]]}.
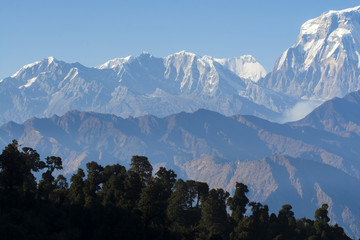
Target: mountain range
{"points": [[135, 86], [322, 64], [210, 119]]}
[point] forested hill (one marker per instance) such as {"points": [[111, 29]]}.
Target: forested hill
{"points": [[114, 203]]}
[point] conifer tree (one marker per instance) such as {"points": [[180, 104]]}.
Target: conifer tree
{"points": [[47, 184], [154, 197], [113, 188], [92, 184], [141, 166], [214, 222], [238, 202], [76, 191], [16, 167]]}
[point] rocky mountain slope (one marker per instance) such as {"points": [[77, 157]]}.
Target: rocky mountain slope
{"points": [[135, 86], [210, 147], [324, 62]]}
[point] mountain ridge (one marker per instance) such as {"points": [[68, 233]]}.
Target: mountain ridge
{"points": [[136, 86], [211, 147]]}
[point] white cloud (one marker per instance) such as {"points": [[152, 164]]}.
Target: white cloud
{"points": [[300, 110]]}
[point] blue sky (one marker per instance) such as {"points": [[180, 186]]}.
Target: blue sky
{"points": [[92, 32]]}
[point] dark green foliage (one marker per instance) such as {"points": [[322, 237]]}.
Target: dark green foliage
{"points": [[95, 174], [60, 193], [113, 203], [254, 226], [285, 215], [133, 187], [16, 167], [214, 221], [286, 220], [321, 214], [184, 208], [76, 191], [113, 188], [154, 197], [238, 202], [166, 178], [141, 166], [47, 184]]}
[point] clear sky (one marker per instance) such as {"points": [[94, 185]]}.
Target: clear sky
{"points": [[92, 32]]}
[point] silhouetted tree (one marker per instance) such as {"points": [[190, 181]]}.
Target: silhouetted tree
{"points": [[112, 203], [141, 166], [287, 220], [214, 222], [166, 178], [61, 190], [184, 209], [113, 188], [238, 202], [133, 187], [92, 184], [47, 184], [154, 197], [76, 191], [16, 167], [321, 214]]}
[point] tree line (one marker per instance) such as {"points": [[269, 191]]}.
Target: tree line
{"points": [[114, 203]]}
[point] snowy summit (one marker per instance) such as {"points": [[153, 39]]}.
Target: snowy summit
{"points": [[135, 86], [324, 62]]}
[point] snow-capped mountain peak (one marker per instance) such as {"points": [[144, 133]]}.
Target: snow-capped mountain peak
{"points": [[145, 53], [245, 67], [25, 67], [325, 35], [50, 59], [324, 62], [43, 65], [184, 52], [347, 10], [113, 63], [136, 86]]}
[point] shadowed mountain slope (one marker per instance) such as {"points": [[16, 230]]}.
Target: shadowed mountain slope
{"points": [[211, 147]]}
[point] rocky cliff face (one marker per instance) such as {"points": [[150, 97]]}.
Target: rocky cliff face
{"points": [[324, 61]]}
